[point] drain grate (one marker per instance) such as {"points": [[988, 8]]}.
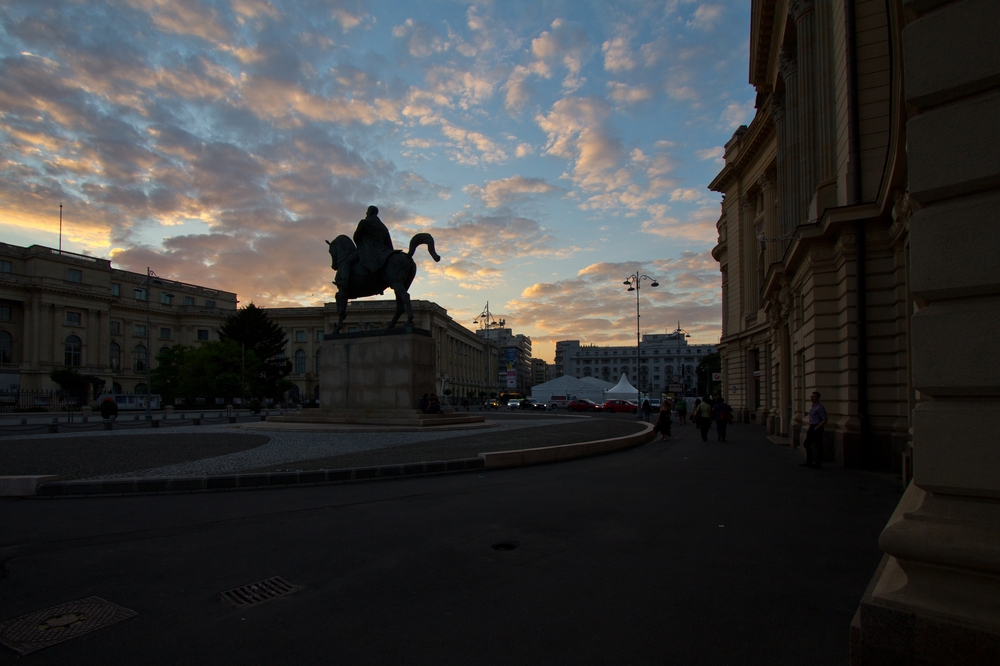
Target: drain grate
{"points": [[505, 545], [60, 623], [258, 593]]}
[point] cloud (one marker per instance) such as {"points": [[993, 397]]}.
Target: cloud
{"points": [[705, 17], [713, 153], [685, 194], [617, 57], [524, 149], [698, 225], [422, 39], [736, 114], [503, 192], [577, 131], [184, 17], [621, 92]]}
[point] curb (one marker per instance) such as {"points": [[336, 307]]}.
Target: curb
{"points": [[491, 460]]}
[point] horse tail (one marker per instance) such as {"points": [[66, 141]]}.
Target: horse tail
{"points": [[423, 239]]}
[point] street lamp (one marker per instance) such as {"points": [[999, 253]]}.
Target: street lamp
{"points": [[634, 282], [680, 334], [149, 375], [488, 322]]}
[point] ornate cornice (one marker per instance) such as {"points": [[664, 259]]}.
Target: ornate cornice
{"points": [[799, 8], [767, 181], [787, 61]]}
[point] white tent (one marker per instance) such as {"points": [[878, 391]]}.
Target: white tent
{"points": [[598, 382], [566, 388], [623, 390]]}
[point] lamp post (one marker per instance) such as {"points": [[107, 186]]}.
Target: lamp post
{"points": [[634, 282], [485, 319], [149, 366]]}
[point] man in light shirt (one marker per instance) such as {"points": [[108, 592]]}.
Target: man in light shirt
{"points": [[814, 436]]}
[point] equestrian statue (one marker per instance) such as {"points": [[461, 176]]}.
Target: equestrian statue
{"points": [[368, 265]]}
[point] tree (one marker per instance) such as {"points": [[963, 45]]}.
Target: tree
{"points": [[709, 364], [75, 385], [215, 370], [251, 327], [166, 376]]}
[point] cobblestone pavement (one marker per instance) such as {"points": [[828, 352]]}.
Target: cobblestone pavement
{"points": [[226, 449]]}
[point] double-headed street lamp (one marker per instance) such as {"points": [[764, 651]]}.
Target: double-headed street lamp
{"points": [[486, 320], [634, 282]]}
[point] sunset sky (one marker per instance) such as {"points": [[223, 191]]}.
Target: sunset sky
{"points": [[551, 148]]}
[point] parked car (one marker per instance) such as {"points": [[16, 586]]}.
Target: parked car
{"points": [[513, 403], [620, 406], [528, 403], [492, 404], [583, 405]]}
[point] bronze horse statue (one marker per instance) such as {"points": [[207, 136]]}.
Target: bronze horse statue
{"points": [[397, 273]]}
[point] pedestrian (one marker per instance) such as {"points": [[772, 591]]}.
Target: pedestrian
{"points": [[723, 415], [433, 405], [663, 421], [682, 408], [703, 417], [814, 436], [646, 410], [422, 403]]}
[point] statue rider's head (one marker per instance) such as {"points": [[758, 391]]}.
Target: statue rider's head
{"points": [[372, 211]]}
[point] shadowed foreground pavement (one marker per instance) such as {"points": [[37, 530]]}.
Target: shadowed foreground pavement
{"points": [[670, 553]]}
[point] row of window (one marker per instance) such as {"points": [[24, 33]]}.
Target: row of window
{"points": [[655, 351]]}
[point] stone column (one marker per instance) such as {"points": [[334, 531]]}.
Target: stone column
{"points": [[748, 256], [936, 600], [805, 28], [768, 190], [790, 195], [825, 95]]}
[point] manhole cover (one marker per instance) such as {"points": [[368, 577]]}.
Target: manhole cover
{"points": [[505, 545], [258, 593], [60, 623]]}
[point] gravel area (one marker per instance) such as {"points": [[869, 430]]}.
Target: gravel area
{"points": [[227, 449], [76, 456]]}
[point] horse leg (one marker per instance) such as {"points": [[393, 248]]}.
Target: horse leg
{"points": [[399, 308], [341, 312]]}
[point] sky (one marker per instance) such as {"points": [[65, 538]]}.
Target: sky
{"points": [[551, 148]]}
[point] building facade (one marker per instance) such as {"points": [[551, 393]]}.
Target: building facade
{"points": [[666, 359], [856, 259], [539, 371], [814, 231], [59, 309], [513, 369]]}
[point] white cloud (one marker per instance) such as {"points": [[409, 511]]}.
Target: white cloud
{"points": [[736, 114], [712, 153], [705, 17], [502, 192], [621, 92], [617, 56]]}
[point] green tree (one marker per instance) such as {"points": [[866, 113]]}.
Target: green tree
{"points": [[215, 370], [75, 385], [709, 364], [166, 376], [251, 327]]}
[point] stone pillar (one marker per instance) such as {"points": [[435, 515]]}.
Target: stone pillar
{"points": [[825, 95], [768, 190], [748, 256], [936, 599], [791, 193], [805, 48]]}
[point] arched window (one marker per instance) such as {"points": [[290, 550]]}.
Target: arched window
{"points": [[73, 349], [293, 393], [115, 358], [316, 393], [586, 372], [6, 347], [116, 388], [300, 362], [139, 358], [317, 364], [606, 372], [140, 389]]}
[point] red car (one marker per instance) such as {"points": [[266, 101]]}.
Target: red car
{"points": [[616, 406], [582, 405]]}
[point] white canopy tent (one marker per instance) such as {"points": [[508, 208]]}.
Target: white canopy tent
{"points": [[596, 381], [566, 388], [623, 390]]}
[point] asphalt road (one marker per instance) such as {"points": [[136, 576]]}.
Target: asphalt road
{"points": [[670, 553]]}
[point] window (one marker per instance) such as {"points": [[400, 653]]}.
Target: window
{"points": [[140, 389], [140, 294], [116, 289], [203, 334], [164, 333], [209, 304], [139, 358], [7, 348], [74, 275], [72, 351], [115, 356], [116, 328], [5, 313], [140, 330], [300, 336], [166, 298], [6, 267], [300, 362], [116, 388], [319, 336], [73, 318], [189, 300]]}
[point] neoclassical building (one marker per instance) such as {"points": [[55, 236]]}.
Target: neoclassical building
{"points": [[60, 309], [814, 230], [859, 258]]}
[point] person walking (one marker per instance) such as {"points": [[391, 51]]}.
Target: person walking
{"points": [[814, 436], [703, 417], [646, 410], [723, 415], [682, 409], [663, 421]]}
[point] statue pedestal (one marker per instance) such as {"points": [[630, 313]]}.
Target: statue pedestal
{"points": [[377, 378]]}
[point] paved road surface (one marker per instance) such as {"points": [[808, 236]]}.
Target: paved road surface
{"points": [[669, 553]]}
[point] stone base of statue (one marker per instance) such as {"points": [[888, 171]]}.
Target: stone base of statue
{"points": [[377, 378]]}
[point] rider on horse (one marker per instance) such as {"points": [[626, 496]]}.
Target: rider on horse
{"points": [[374, 246]]}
